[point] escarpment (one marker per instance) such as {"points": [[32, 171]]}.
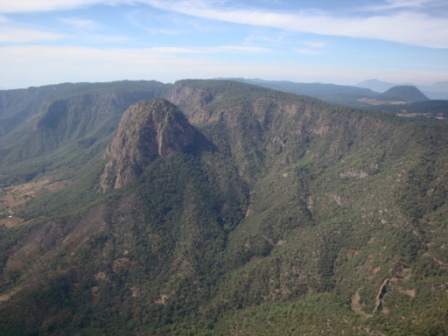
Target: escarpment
{"points": [[148, 129]]}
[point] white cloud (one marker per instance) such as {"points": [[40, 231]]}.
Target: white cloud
{"points": [[7, 6], [178, 50], [208, 50], [79, 23], [17, 35], [314, 44], [404, 27], [399, 4], [312, 48], [409, 25], [87, 27], [3, 19], [244, 49]]}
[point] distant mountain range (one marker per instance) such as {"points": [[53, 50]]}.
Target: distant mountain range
{"points": [[401, 99], [436, 91], [316, 90]]}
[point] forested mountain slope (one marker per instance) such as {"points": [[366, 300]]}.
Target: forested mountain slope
{"points": [[65, 123], [280, 215]]}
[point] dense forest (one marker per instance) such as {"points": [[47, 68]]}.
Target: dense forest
{"points": [[249, 211]]}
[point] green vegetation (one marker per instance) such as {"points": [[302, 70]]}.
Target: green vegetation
{"points": [[285, 217]]}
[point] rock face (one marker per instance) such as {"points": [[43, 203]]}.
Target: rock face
{"points": [[148, 129]]}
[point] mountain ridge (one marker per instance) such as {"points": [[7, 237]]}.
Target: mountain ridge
{"points": [[289, 222], [436, 91]]}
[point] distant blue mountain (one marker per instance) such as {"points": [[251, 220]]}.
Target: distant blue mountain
{"points": [[316, 90], [437, 90]]}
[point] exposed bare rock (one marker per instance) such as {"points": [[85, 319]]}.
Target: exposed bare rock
{"points": [[380, 294], [148, 129]]}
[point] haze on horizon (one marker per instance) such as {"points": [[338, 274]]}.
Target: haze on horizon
{"points": [[54, 41]]}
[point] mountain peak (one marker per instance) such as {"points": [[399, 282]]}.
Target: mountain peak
{"points": [[406, 93], [148, 129]]}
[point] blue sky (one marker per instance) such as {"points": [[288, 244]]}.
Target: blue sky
{"points": [[343, 42]]}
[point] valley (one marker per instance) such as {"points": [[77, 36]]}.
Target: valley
{"points": [[218, 207]]}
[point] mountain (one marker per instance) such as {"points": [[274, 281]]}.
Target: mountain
{"points": [[316, 90], [73, 118], [405, 101], [405, 93], [244, 210], [436, 91], [148, 129], [23, 105], [440, 86]]}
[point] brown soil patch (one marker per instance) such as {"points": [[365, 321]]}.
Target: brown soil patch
{"points": [[409, 292], [161, 300], [9, 222], [121, 264], [95, 291], [5, 297], [281, 242], [371, 240], [13, 197], [101, 276], [373, 272], [134, 291], [374, 101], [357, 306]]}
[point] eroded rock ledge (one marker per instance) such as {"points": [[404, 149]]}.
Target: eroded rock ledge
{"points": [[149, 129]]}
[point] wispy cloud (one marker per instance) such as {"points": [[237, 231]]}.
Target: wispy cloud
{"points": [[312, 48], [244, 49], [88, 28], [314, 44], [209, 50], [105, 39], [409, 27], [177, 50], [48, 5], [79, 23], [400, 4], [410, 24], [3, 19], [17, 35]]}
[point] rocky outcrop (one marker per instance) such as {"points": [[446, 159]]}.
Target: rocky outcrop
{"points": [[148, 129], [380, 294]]}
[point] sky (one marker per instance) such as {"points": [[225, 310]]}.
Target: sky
{"points": [[343, 42]]}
